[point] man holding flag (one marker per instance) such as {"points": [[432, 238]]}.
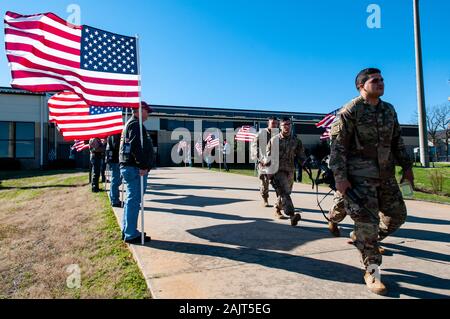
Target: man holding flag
{"points": [[48, 54], [135, 160]]}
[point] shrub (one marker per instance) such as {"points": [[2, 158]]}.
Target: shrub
{"points": [[437, 180]]}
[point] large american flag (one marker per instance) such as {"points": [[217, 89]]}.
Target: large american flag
{"points": [[78, 121], [46, 53], [79, 146], [246, 133]]}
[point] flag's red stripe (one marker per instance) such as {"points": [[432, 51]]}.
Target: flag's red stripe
{"points": [[323, 120], [92, 128], [38, 53], [63, 107], [88, 136], [50, 15], [44, 41], [116, 117], [23, 25]]}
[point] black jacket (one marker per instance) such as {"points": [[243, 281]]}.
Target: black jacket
{"points": [[131, 153], [112, 148]]}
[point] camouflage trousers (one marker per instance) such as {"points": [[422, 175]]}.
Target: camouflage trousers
{"points": [[283, 182], [383, 197], [264, 185], [337, 211]]}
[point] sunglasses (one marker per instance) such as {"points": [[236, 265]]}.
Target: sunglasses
{"points": [[376, 81]]}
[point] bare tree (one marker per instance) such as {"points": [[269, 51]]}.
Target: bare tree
{"points": [[443, 121], [432, 125]]}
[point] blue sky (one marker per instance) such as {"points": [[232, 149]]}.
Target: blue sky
{"points": [[270, 55]]}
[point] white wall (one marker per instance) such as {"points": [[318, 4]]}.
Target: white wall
{"points": [[152, 124], [20, 108]]}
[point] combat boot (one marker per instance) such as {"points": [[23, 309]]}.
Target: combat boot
{"points": [[334, 229], [374, 284], [278, 214], [295, 219]]}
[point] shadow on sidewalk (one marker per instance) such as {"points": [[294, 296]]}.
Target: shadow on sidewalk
{"points": [[327, 270], [169, 187], [200, 213], [198, 201], [424, 220], [394, 249], [414, 278], [261, 234]]}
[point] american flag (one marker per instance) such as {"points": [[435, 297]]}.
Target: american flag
{"points": [[326, 123], [212, 141], [327, 120], [79, 146], [198, 147], [78, 121], [326, 135], [246, 133], [46, 53]]}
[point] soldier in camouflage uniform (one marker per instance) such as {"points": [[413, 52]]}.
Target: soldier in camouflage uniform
{"points": [[289, 148], [258, 151], [363, 157]]}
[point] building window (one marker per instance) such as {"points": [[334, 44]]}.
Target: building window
{"points": [[17, 140], [6, 139]]}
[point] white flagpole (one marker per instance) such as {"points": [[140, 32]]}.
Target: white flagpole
{"points": [[122, 185], [254, 172], [138, 56], [220, 153]]}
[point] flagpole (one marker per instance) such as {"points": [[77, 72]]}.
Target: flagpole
{"points": [[202, 155], [255, 170], [138, 56], [122, 185], [220, 154]]}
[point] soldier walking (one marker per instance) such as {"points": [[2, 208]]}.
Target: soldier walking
{"points": [[258, 152], [282, 179], [363, 156]]}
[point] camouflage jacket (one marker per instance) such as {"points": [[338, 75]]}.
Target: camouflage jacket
{"points": [[290, 149], [366, 141], [258, 146]]}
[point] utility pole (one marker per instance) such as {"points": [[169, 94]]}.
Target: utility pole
{"points": [[423, 132]]}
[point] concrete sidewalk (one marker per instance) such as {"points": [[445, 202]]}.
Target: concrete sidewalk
{"points": [[211, 238]]}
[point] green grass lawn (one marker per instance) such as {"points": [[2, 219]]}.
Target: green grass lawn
{"points": [[422, 180], [51, 219]]}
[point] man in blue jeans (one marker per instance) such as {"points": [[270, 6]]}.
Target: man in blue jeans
{"points": [[112, 158], [135, 160]]}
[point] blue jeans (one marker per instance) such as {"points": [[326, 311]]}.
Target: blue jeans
{"points": [[132, 181], [116, 181]]}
